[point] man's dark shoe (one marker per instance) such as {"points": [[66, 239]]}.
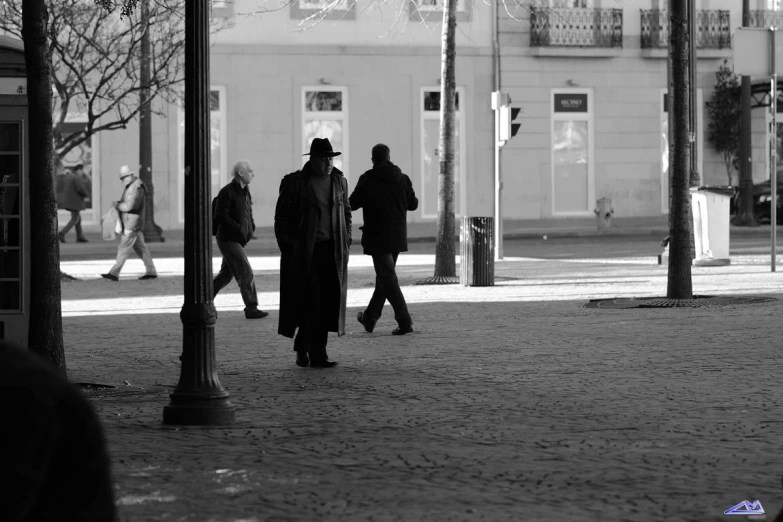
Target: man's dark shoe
{"points": [[80, 240], [367, 327], [323, 364], [110, 277], [255, 313], [402, 330], [61, 236], [148, 276], [302, 359]]}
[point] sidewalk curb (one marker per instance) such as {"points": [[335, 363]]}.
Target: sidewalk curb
{"points": [[562, 233]]}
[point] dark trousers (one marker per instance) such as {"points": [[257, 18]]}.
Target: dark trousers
{"points": [[76, 221], [387, 287], [322, 303], [236, 266]]}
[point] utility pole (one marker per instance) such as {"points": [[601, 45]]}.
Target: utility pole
{"points": [[152, 232], [496, 145], [745, 215], [695, 180]]}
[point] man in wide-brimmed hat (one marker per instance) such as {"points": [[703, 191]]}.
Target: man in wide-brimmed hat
{"points": [[131, 210], [313, 231]]}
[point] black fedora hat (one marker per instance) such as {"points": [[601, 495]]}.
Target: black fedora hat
{"points": [[322, 147]]}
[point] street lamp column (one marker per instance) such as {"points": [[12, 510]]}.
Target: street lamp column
{"points": [[198, 398], [152, 232]]}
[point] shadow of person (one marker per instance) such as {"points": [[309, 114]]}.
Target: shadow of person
{"points": [[52, 448]]}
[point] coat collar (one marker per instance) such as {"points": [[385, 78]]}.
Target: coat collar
{"points": [[308, 191]]}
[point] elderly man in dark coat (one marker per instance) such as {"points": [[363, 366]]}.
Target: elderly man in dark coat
{"points": [[313, 231], [72, 199], [386, 194], [233, 226]]}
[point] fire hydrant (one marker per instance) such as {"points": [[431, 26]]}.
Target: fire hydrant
{"points": [[603, 213]]}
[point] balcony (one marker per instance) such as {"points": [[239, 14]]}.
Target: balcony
{"points": [[766, 18], [713, 29], [587, 28]]}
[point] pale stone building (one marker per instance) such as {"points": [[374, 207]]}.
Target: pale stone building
{"points": [[590, 76]]}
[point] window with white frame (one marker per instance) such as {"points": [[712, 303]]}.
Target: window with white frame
{"points": [[429, 106], [572, 158], [218, 157], [432, 10], [323, 9], [325, 115]]}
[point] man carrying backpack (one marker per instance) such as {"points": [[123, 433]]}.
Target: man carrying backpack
{"points": [[233, 226]]}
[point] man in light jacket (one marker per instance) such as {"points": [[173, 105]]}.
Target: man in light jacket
{"points": [[385, 194], [131, 209]]}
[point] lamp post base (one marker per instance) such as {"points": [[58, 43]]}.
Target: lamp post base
{"points": [[153, 234], [199, 411]]}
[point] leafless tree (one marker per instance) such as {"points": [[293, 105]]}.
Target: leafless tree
{"points": [[95, 62]]}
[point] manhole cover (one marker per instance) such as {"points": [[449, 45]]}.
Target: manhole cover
{"points": [[698, 301]]}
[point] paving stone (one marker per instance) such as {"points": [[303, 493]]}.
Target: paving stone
{"points": [[509, 402]]}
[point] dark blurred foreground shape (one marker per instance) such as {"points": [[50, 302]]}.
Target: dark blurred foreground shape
{"points": [[53, 452]]}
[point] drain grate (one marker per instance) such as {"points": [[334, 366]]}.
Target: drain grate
{"points": [[698, 301]]}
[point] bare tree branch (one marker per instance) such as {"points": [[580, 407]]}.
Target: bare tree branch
{"points": [[95, 60]]}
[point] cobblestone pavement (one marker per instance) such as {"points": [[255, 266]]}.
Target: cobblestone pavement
{"points": [[510, 402]]}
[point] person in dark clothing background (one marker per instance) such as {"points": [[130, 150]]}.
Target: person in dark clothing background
{"points": [[53, 453], [72, 199], [313, 231], [385, 194], [233, 227]]}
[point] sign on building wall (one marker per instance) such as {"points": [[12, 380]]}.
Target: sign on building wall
{"points": [[13, 86], [571, 102]]}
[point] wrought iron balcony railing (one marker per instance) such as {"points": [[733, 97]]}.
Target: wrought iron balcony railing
{"points": [[713, 29], [576, 27], [766, 18]]}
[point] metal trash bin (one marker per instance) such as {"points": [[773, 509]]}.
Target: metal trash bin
{"points": [[711, 225], [476, 250]]}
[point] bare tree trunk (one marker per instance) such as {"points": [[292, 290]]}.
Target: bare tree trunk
{"points": [[445, 262], [45, 335], [679, 281]]}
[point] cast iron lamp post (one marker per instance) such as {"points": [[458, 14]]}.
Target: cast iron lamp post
{"points": [[152, 232], [198, 398]]}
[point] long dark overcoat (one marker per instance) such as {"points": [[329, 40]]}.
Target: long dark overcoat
{"points": [[296, 223]]}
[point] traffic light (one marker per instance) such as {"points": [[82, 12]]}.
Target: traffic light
{"points": [[508, 129]]}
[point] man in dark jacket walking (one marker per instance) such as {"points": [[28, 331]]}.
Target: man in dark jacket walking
{"points": [[386, 194], [233, 226], [313, 231], [72, 199]]}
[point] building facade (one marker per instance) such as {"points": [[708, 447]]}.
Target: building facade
{"points": [[590, 76]]}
